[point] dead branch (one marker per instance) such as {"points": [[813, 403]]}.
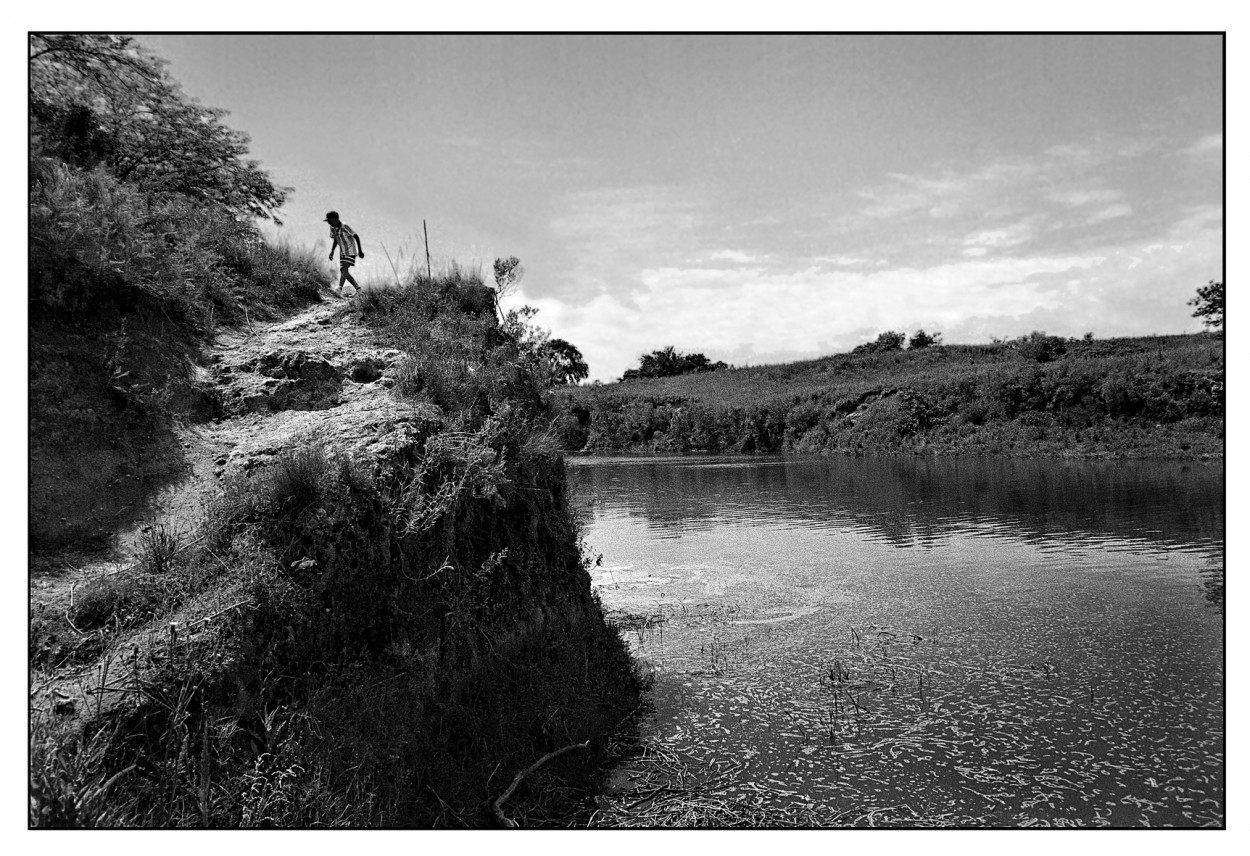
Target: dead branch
{"points": [[497, 805]]}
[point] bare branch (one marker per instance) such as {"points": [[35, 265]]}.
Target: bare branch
{"points": [[497, 805]]}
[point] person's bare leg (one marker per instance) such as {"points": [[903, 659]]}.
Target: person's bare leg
{"points": [[348, 276]]}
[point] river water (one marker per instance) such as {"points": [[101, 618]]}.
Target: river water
{"points": [[915, 641]]}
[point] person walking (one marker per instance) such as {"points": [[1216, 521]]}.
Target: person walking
{"points": [[347, 243]]}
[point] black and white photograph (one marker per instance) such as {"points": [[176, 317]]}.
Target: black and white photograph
{"points": [[593, 430]]}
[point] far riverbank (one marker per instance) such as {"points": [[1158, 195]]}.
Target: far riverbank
{"points": [[1159, 397]]}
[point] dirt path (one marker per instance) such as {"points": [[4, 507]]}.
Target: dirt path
{"points": [[315, 377]]}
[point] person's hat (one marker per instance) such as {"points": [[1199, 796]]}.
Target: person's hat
{"points": [[331, 215]]}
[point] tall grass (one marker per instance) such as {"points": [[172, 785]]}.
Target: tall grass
{"points": [[460, 354], [96, 241]]}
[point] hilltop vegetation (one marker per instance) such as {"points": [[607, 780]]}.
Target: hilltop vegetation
{"points": [[1038, 395], [143, 242], [293, 564], [668, 362]]}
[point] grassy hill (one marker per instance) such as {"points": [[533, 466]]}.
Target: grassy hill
{"points": [[1152, 396]]}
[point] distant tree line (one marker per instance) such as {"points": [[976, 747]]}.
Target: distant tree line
{"points": [[1037, 394], [891, 340]]}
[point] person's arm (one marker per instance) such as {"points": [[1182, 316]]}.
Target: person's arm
{"points": [[360, 250], [333, 245]]}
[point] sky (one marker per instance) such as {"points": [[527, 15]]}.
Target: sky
{"points": [[755, 198]]}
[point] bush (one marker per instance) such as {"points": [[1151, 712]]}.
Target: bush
{"points": [[887, 341], [269, 277], [671, 363], [95, 241], [459, 354], [1040, 347], [159, 547], [114, 600], [915, 413], [920, 339]]}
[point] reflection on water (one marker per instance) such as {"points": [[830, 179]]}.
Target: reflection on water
{"points": [[915, 501], [912, 640]]}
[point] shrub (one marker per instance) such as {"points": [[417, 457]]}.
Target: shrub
{"points": [[802, 418], [920, 339], [887, 341], [669, 362], [915, 413], [294, 483], [114, 600], [159, 549], [96, 241], [1040, 347], [459, 354], [272, 277]]}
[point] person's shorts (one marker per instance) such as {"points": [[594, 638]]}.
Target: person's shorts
{"points": [[346, 261]]}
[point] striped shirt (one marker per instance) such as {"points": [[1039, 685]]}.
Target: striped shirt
{"points": [[345, 238]]}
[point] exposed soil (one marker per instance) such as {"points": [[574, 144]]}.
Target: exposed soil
{"points": [[317, 377]]}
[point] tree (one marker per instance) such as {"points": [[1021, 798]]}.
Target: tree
{"points": [[887, 341], [921, 339], [508, 272], [1210, 304], [670, 363], [103, 100], [566, 361]]}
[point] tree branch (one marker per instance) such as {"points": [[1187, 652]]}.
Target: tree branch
{"points": [[497, 805]]}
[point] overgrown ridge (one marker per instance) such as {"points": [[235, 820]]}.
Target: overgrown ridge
{"points": [[1037, 396], [363, 603], [272, 384]]}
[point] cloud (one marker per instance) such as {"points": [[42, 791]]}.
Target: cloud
{"points": [[757, 314], [1049, 241], [1207, 147], [841, 261], [1005, 237], [980, 243], [735, 256], [623, 213], [1080, 197], [600, 235], [778, 313], [1111, 212], [1009, 188]]}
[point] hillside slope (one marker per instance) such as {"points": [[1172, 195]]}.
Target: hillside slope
{"points": [[1144, 397], [351, 607]]}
